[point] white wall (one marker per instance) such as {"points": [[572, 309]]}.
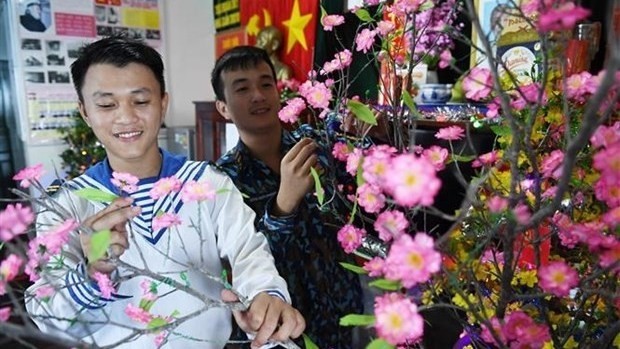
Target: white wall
{"points": [[189, 55]]}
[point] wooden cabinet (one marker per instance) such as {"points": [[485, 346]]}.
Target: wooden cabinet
{"points": [[210, 131]]}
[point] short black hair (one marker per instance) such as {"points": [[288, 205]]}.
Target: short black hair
{"points": [[240, 57], [118, 51]]}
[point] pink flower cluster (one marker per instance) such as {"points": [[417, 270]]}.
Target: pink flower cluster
{"points": [[518, 330], [104, 283], [331, 21], [164, 187], [197, 191], [350, 237], [557, 278], [412, 260], [29, 175], [397, 319], [341, 61], [14, 221], [478, 84], [317, 94], [42, 248], [562, 17], [165, 220], [290, 112], [9, 269], [126, 182]]}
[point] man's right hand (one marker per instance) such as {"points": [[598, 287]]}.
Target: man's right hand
{"points": [[114, 218], [295, 177]]}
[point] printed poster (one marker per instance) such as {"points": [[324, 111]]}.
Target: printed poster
{"points": [[51, 32]]}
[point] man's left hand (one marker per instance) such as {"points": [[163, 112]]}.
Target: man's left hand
{"points": [[269, 317]]}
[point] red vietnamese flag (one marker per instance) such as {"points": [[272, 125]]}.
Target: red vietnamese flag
{"points": [[296, 19]]}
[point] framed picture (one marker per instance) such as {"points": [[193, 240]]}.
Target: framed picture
{"points": [[489, 13]]}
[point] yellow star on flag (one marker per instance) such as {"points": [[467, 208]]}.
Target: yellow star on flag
{"points": [[252, 28], [296, 25]]}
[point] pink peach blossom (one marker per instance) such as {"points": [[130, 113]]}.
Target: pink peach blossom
{"points": [[557, 278], [5, 313], [560, 18], [9, 268], [437, 156], [331, 21], [317, 94], [391, 225], [370, 198], [605, 136], [350, 237], [397, 319], [374, 267], [412, 180], [165, 186], [125, 181], [412, 260], [364, 40], [44, 292], [14, 220], [105, 285], [138, 314], [450, 133], [291, 111], [197, 191], [477, 84], [29, 175], [165, 220], [497, 204], [340, 151]]}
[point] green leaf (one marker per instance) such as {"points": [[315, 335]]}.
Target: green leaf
{"points": [[463, 158], [318, 188], [357, 320], [97, 195], [308, 343], [221, 191], [364, 15], [323, 13], [379, 344], [501, 130], [362, 112], [408, 100], [156, 323], [388, 285], [99, 243], [146, 304], [353, 268], [359, 178]]}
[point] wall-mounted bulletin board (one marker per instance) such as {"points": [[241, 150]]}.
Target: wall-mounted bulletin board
{"points": [[50, 35]]}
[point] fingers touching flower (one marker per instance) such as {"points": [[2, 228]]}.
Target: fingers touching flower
{"points": [[29, 175], [165, 186], [125, 182]]}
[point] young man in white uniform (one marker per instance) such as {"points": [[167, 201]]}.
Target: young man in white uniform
{"points": [[122, 97]]}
